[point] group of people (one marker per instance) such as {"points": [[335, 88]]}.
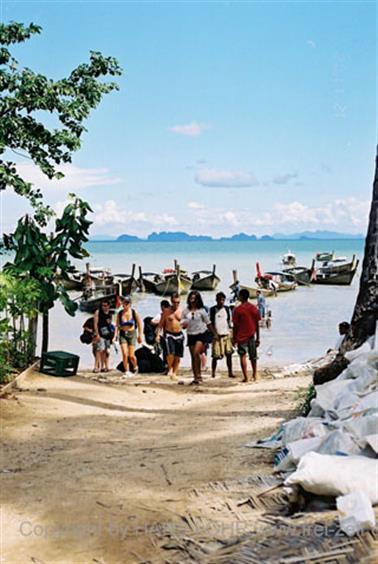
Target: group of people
{"points": [[222, 327]]}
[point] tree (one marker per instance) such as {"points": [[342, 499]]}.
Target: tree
{"points": [[46, 259], [27, 98], [365, 315]]}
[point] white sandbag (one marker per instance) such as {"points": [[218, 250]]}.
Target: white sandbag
{"points": [[367, 380], [362, 426], [364, 348], [326, 394], [366, 403], [365, 362], [316, 410], [302, 428], [288, 458], [372, 441], [327, 474], [356, 513], [338, 442], [346, 401]]}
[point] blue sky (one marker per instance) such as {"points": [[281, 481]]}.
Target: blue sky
{"points": [[231, 116]]}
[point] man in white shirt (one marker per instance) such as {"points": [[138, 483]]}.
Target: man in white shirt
{"points": [[221, 319]]}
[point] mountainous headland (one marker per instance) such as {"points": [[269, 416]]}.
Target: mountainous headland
{"points": [[181, 236]]}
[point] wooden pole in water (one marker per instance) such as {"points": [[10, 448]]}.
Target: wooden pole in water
{"points": [[141, 285], [177, 268]]}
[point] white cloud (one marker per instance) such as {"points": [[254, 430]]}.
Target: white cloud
{"points": [[285, 178], [112, 214], [195, 206], [344, 215], [193, 129], [225, 178], [75, 178], [341, 214], [231, 218]]}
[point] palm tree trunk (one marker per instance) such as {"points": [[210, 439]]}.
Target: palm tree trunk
{"points": [[365, 315], [45, 331], [33, 327]]}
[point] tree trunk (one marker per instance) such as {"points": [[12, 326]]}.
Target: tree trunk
{"points": [[45, 331], [33, 327], [365, 315]]}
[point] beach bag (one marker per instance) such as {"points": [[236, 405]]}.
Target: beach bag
{"points": [[148, 361], [87, 335]]}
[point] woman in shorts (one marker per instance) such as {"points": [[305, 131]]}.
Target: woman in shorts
{"points": [[129, 331], [196, 321]]}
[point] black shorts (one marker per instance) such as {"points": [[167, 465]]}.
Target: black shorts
{"points": [[202, 337], [174, 344]]}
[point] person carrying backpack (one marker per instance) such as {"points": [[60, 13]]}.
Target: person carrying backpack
{"points": [[221, 320], [128, 331]]}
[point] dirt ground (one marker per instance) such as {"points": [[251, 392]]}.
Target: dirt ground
{"points": [[106, 473]]}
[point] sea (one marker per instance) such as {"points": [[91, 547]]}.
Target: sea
{"points": [[304, 321]]}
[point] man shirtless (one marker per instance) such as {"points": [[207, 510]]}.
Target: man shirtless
{"points": [[170, 326]]}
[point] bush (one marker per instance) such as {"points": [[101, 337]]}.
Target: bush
{"points": [[304, 397], [18, 315]]}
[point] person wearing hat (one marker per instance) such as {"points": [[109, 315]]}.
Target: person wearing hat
{"points": [[128, 331]]}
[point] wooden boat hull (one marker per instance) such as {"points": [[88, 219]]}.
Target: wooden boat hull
{"points": [[148, 286], [284, 282], [253, 290], [91, 305], [206, 283], [286, 286], [335, 278], [302, 275], [172, 284], [129, 286], [148, 283], [71, 284]]}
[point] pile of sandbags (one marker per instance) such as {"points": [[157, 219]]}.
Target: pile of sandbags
{"points": [[333, 451]]}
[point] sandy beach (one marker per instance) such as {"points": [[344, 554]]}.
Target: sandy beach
{"points": [[107, 473]]}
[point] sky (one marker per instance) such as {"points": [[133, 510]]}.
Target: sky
{"points": [[256, 117]]}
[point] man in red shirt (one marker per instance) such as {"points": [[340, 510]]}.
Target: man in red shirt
{"points": [[246, 333]]}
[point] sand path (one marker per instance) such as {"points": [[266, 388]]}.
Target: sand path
{"points": [[98, 473]]}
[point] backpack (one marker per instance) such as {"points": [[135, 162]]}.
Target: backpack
{"points": [[149, 331], [88, 329]]}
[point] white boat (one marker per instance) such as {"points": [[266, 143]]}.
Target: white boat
{"points": [[289, 259]]}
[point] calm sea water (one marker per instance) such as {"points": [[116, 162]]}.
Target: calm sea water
{"points": [[304, 321]]}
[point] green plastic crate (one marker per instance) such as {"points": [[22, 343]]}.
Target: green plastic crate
{"points": [[59, 363]]}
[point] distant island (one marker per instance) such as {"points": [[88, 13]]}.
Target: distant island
{"points": [[181, 236]]}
